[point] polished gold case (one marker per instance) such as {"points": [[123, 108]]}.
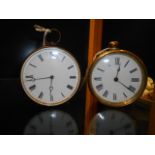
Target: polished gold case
{"points": [[38, 100], [108, 51]]}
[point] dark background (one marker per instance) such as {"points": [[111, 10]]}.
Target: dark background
{"points": [[18, 39], [136, 35]]}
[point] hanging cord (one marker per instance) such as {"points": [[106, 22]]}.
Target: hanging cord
{"points": [[46, 31], [39, 28]]}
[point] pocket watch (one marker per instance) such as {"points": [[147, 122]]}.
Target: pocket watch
{"points": [[112, 122], [54, 122], [117, 77], [50, 76]]}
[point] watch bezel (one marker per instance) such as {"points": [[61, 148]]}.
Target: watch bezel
{"points": [[104, 53], [38, 101]]}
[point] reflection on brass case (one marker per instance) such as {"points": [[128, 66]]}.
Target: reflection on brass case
{"points": [[148, 95]]}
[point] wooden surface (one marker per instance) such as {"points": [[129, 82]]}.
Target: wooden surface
{"points": [[95, 45], [152, 120]]}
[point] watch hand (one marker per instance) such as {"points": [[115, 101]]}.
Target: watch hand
{"points": [[118, 70], [125, 86], [51, 87], [34, 79]]}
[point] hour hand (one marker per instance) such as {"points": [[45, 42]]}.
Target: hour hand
{"points": [[118, 70]]}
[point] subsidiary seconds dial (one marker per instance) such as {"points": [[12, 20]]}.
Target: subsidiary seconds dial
{"points": [[117, 78], [50, 76]]}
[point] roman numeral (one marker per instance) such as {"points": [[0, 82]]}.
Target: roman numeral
{"points": [[32, 87], [70, 87], [105, 94], [133, 70], [70, 67], [134, 79], [32, 65], [132, 89], [53, 55], [124, 95], [98, 79], [41, 95], [72, 77], [29, 76], [63, 59], [51, 97], [100, 69], [62, 95], [117, 61], [126, 63], [99, 87], [114, 96], [40, 57]]}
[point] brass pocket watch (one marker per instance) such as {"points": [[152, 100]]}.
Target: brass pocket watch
{"points": [[117, 77], [50, 75]]}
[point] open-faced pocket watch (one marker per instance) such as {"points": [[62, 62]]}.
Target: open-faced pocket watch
{"points": [[50, 75], [117, 77]]}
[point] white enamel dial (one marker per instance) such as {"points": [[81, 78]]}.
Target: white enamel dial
{"points": [[112, 122], [118, 78], [50, 76], [51, 122]]}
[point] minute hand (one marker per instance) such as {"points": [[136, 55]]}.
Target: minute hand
{"points": [[126, 86], [34, 79]]}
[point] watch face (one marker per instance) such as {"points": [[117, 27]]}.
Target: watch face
{"points": [[50, 76], [118, 79], [52, 123], [112, 122]]}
